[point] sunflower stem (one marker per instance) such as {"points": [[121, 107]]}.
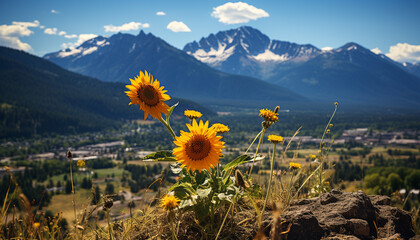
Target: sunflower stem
{"points": [[269, 184], [168, 126], [256, 152]]}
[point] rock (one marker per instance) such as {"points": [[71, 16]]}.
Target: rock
{"points": [[342, 215]]}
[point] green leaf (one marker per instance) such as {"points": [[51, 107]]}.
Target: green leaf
{"points": [[182, 190], [160, 154], [203, 192], [170, 110], [165, 159], [237, 161]]}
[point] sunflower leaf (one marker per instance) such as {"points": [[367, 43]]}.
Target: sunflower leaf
{"points": [[182, 190], [160, 154], [164, 159], [170, 110]]}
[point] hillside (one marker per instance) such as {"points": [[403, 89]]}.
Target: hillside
{"points": [[119, 57], [38, 96]]}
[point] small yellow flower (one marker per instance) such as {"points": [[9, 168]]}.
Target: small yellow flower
{"points": [[269, 115], [81, 163], [169, 202], [336, 103], [294, 166], [275, 139], [191, 114], [328, 131], [312, 156], [331, 125], [220, 128], [36, 225]]}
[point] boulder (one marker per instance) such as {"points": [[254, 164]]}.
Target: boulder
{"points": [[343, 215]]}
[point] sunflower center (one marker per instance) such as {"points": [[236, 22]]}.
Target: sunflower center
{"points": [[198, 147], [148, 95]]}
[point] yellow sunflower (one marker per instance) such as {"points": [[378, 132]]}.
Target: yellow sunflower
{"points": [[200, 148], [169, 202], [191, 114], [220, 128], [269, 115], [294, 166], [148, 94], [275, 139]]}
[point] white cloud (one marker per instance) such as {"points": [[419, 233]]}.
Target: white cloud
{"points": [[376, 50], [175, 26], [10, 34], [131, 26], [160, 13], [81, 38], [239, 12], [404, 52], [62, 33], [42, 26], [326, 49], [54, 11], [70, 36], [51, 31]]}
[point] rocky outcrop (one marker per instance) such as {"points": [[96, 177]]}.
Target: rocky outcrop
{"points": [[343, 215]]}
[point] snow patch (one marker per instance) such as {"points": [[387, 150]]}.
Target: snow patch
{"points": [[353, 47], [99, 43], [404, 64], [214, 56], [269, 56], [69, 52], [89, 51]]}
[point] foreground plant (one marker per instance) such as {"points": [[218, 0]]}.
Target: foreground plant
{"points": [[205, 188]]}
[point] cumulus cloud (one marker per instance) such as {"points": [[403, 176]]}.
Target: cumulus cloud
{"points": [[239, 12], [175, 26], [326, 49], [376, 50], [54, 11], [51, 31], [70, 36], [160, 13], [81, 38], [404, 52], [62, 33], [131, 26], [10, 34]]}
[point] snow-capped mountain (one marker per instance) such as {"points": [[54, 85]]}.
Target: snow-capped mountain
{"points": [[121, 56], [247, 51], [351, 73]]}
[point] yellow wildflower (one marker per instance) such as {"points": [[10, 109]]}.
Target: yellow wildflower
{"points": [[275, 139], [169, 202], [294, 166]]}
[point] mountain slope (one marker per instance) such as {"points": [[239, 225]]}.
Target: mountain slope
{"points": [[38, 96], [121, 56], [350, 74]]}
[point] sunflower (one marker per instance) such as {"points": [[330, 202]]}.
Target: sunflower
{"points": [[275, 139], [169, 202], [269, 115], [220, 128], [294, 166], [191, 114], [148, 94], [200, 148]]}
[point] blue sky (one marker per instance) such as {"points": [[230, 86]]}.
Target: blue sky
{"points": [[389, 26]]}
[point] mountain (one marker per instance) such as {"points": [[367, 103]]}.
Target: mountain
{"points": [[413, 68], [350, 74], [122, 56], [247, 51], [37, 96]]}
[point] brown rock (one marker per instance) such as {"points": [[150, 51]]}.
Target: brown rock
{"points": [[341, 215]]}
